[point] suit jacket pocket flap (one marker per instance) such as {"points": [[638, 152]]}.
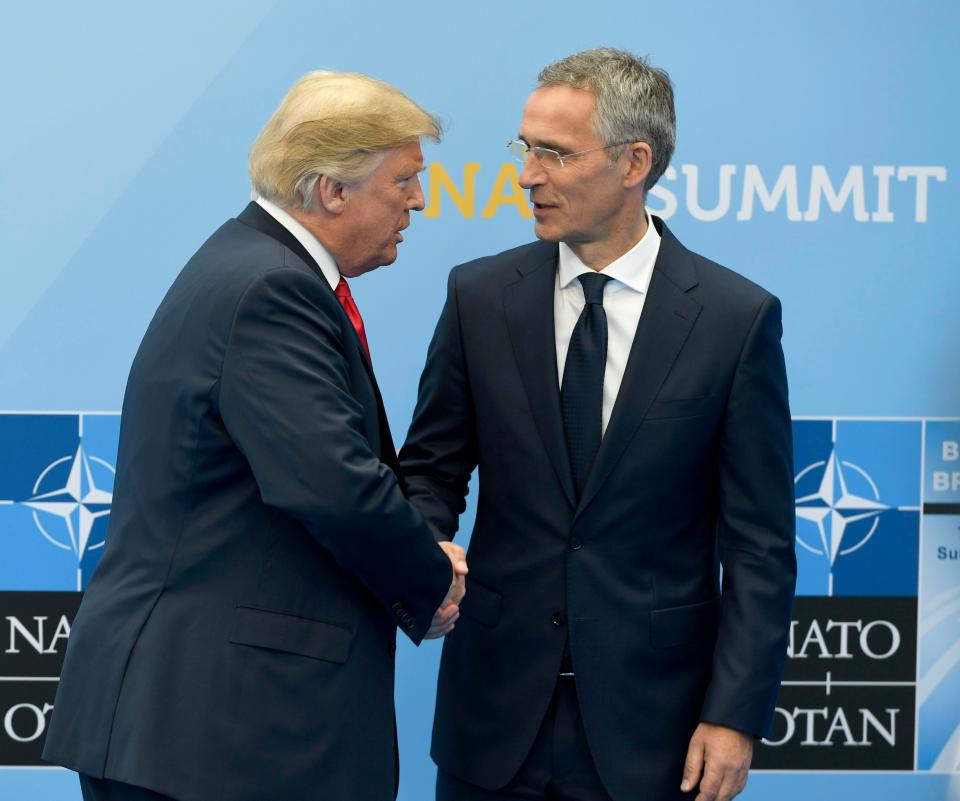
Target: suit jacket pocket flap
{"points": [[296, 635], [680, 624], [481, 603]]}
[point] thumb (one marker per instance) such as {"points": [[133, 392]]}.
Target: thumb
{"points": [[693, 765]]}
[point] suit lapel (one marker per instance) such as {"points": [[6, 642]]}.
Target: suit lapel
{"points": [[258, 218], [528, 305], [669, 314]]}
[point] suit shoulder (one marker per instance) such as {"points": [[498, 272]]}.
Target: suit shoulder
{"points": [[242, 253], [504, 264], [721, 282], [237, 257], [236, 267]]}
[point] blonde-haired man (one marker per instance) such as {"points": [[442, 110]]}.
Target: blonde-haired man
{"points": [[237, 639]]}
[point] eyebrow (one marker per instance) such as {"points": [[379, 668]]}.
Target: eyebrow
{"points": [[549, 145], [404, 173]]}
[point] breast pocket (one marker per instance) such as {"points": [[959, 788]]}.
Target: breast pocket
{"points": [[676, 408], [277, 631]]}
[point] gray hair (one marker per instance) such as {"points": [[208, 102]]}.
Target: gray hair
{"points": [[634, 100]]}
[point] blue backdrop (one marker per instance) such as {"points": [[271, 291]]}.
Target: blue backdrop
{"points": [[816, 155]]}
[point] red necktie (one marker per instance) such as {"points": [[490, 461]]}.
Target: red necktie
{"points": [[353, 313]]}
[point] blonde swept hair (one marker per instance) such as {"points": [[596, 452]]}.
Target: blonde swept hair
{"points": [[337, 124]]}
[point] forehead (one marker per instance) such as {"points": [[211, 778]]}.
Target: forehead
{"points": [[408, 157], [559, 115]]}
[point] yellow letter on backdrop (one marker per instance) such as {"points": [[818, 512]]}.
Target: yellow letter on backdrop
{"points": [[507, 175], [439, 179]]}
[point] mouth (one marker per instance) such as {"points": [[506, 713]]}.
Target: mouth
{"points": [[398, 234], [541, 208]]}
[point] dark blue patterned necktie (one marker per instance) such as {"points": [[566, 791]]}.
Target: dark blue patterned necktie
{"points": [[581, 394]]}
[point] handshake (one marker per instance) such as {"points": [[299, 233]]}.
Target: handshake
{"points": [[446, 616]]}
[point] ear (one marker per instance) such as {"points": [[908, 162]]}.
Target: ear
{"points": [[639, 157], [331, 194]]}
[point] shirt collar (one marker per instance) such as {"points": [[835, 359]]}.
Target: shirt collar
{"points": [[633, 269], [322, 256]]}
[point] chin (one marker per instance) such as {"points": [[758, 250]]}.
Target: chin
{"points": [[546, 233], [384, 259]]}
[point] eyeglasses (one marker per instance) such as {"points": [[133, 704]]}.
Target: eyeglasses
{"points": [[547, 158]]}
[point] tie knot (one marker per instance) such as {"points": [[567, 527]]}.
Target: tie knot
{"points": [[342, 290], [593, 284]]}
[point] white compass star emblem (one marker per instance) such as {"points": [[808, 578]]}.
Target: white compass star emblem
{"points": [[833, 508], [78, 503]]}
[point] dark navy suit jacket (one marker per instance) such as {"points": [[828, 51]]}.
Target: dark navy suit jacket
{"points": [[237, 640], [694, 471]]}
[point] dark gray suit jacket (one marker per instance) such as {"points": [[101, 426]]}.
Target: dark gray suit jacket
{"points": [[237, 640], [694, 471]]}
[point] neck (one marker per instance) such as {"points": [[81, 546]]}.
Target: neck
{"points": [[321, 227], [602, 252]]}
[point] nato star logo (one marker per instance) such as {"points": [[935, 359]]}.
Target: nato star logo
{"points": [[857, 496], [73, 504], [834, 509], [57, 472]]}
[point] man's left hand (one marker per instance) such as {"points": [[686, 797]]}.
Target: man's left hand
{"points": [[722, 755]]}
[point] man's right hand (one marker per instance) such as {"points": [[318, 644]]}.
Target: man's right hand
{"points": [[446, 616]]}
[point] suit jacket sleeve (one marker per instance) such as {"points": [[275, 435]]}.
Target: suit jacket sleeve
{"points": [[755, 535], [440, 452], [285, 399]]}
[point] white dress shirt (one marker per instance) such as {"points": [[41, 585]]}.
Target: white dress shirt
{"points": [[320, 254], [623, 300]]}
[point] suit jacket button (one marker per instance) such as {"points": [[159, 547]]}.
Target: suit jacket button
{"points": [[392, 647], [558, 619], [575, 543]]}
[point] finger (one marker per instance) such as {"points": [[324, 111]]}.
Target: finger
{"points": [[731, 785], [458, 557], [437, 626], [744, 778], [710, 784], [692, 766], [439, 631], [449, 608], [440, 628]]}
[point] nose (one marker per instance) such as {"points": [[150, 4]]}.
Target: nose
{"points": [[417, 201], [533, 173]]}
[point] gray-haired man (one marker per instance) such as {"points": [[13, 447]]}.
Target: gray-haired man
{"points": [[625, 400]]}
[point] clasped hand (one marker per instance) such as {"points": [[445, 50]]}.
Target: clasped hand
{"points": [[448, 613]]}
